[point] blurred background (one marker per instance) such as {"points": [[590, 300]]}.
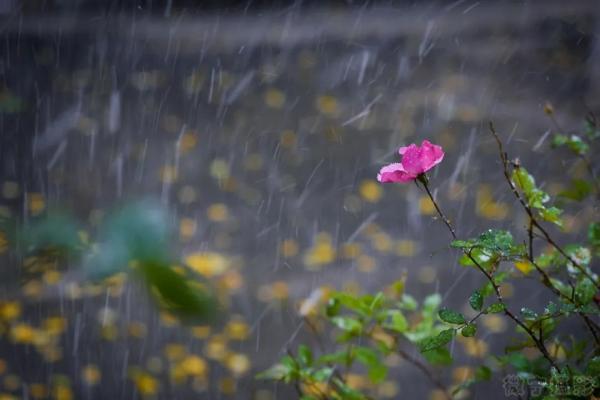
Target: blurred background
{"points": [[260, 127]]}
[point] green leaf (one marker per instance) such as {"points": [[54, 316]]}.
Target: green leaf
{"points": [[469, 330], [333, 307], [305, 355], [277, 372], [573, 143], [536, 198], [451, 317], [578, 190], [397, 322], [376, 370], [435, 342], [529, 314], [585, 290], [476, 300], [594, 234], [56, 231], [340, 357], [439, 356], [347, 324], [176, 295], [483, 373], [346, 392], [408, 303], [495, 308], [323, 374]]}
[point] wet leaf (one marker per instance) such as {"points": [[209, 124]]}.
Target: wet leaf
{"points": [[469, 330], [495, 308], [435, 342], [476, 300], [451, 317]]}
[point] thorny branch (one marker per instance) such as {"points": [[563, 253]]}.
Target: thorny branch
{"points": [[539, 343]]}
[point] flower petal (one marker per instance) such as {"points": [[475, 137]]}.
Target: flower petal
{"points": [[394, 173]]}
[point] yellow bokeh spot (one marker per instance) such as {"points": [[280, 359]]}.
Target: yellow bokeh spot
{"points": [[38, 391], [351, 250], [405, 248], [217, 212], [22, 333], [174, 351], [33, 289], [207, 263], [426, 206], [187, 228], [12, 382], [219, 169], [462, 373], [201, 332], [321, 253], [10, 310], [370, 191], [187, 142], [327, 105], [427, 274], [280, 290], [51, 277], [227, 385], [289, 248], [475, 347], [146, 384], [237, 330], [274, 98], [494, 323], [36, 203], [288, 139], [254, 162], [486, 206], [238, 364], [524, 266], [366, 263], [55, 326], [382, 242], [168, 174], [137, 329], [194, 366], [91, 374], [388, 389], [216, 348]]}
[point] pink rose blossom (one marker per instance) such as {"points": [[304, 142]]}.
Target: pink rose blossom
{"points": [[416, 160]]}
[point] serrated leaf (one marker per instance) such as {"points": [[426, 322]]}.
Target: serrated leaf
{"points": [[450, 316], [435, 342], [476, 300], [495, 308], [469, 330], [529, 314]]}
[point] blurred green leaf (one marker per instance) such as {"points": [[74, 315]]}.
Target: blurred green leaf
{"points": [[573, 143], [53, 231], [348, 324], [578, 190], [585, 290], [396, 321], [176, 295], [529, 314], [305, 355], [438, 356], [376, 370]]}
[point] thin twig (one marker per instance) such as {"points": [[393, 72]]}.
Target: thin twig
{"points": [[418, 364]]}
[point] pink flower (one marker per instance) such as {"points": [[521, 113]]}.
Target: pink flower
{"points": [[416, 160]]}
